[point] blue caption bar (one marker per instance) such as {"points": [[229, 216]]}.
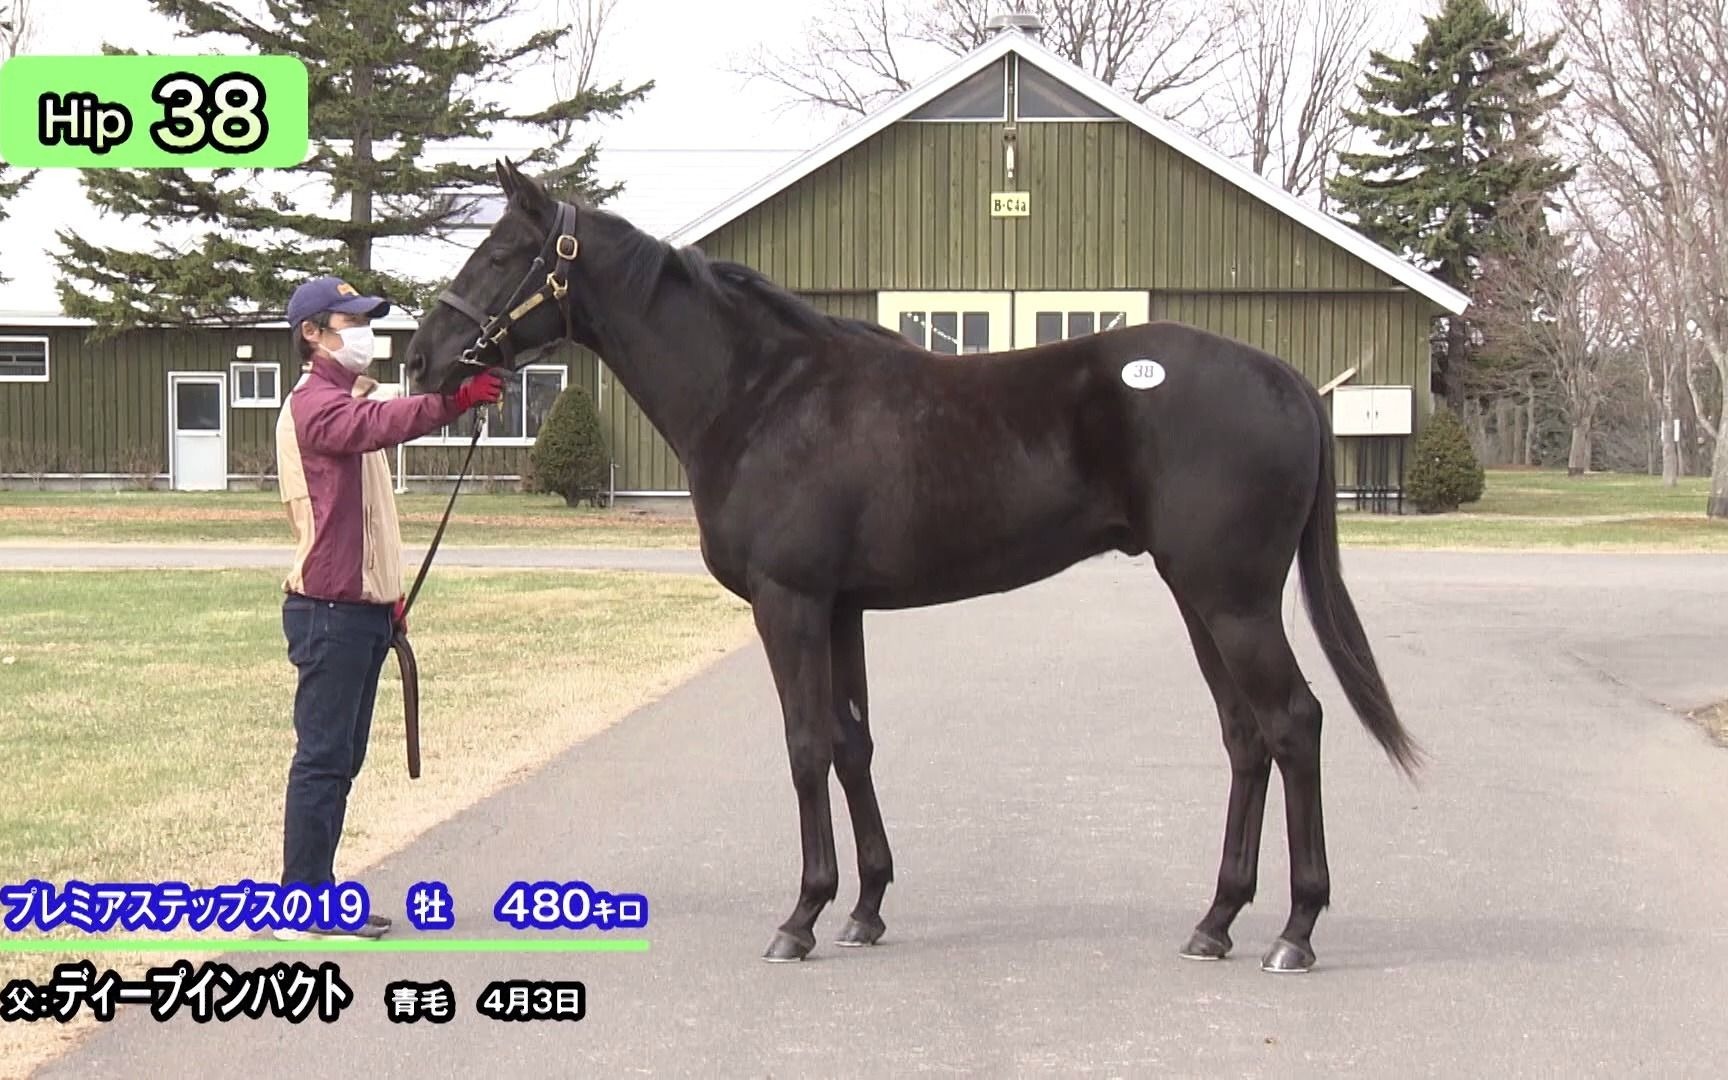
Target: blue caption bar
{"points": [[570, 905], [164, 907]]}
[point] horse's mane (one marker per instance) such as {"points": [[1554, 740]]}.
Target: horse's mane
{"points": [[641, 261]]}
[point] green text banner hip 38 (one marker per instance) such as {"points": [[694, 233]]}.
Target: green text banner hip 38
{"points": [[153, 112]]}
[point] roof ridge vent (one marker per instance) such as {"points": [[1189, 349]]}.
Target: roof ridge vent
{"points": [[1024, 21]]}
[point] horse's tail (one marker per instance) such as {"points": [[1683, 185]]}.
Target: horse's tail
{"points": [[1334, 619]]}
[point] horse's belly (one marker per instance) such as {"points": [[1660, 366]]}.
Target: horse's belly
{"points": [[957, 562]]}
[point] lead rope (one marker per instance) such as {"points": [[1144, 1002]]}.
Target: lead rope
{"points": [[399, 641], [426, 564]]}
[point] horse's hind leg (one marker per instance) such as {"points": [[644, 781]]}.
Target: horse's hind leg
{"points": [[1260, 660], [1250, 772], [853, 748]]}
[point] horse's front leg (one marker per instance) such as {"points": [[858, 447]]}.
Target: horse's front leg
{"points": [[853, 749], [795, 632]]}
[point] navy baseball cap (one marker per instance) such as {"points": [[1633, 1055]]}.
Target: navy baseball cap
{"points": [[323, 294]]}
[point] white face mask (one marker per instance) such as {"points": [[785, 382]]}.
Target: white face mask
{"points": [[356, 351]]}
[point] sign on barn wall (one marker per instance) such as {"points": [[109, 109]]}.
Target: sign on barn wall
{"points": [[1010, 203]]}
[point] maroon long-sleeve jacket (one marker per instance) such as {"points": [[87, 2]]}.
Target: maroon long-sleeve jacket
{"points": [[335, 480]]}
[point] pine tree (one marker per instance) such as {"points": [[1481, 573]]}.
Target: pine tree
{"points": [[1461, 126], [388, 80], [12, 183], [569, 456]]}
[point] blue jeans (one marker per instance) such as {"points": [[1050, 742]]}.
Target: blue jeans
{"points": [[339, 650]]}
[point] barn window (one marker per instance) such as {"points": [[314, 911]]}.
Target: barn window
{"points": [[951, 332], [1044, 317], [952, 323], [515, 421], [23, 359], [255, 386], [1039, 95], [981, 96]]}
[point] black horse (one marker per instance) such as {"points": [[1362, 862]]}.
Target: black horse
{"points": [[835, 467]]}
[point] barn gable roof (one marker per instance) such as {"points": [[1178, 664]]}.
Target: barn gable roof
{"points": [[1106, 96]]}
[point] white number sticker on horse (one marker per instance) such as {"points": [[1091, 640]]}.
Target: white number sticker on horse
{"points": [[1143, 374]]}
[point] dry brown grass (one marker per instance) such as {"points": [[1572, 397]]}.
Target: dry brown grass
{"points": [[147, 719], [479, 519]]}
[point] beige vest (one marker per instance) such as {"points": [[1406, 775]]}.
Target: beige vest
{"points": [[381, 576]]}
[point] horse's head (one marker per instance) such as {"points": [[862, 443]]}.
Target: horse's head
{"points": [[489, 315]]}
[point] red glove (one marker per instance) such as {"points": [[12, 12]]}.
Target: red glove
{"points": [[485, 388], [399, 617]]}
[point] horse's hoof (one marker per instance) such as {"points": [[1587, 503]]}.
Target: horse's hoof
{"points": [[858, 932], [1205, 946], [787, 947], [1287, 958]]}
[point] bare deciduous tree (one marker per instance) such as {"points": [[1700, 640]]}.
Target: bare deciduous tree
{"points": [[16, 25], [574, 59], [1548, 299], [848, 58], [853, 55], [1652, 81], [1298, 62], [1636, 253]]}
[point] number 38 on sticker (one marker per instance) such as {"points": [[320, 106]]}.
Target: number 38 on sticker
{"points": [[143, 112]]}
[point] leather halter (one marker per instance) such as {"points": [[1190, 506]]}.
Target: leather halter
{"points": [[495, 329]]}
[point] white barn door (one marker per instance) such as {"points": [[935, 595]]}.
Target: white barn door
{"points": [[197, 431]]}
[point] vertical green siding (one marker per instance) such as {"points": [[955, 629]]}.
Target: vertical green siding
{"points": [[105, 406], [1111, 208], [1383, 336]]}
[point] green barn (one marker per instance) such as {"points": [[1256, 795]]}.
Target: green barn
{"points": [[1010, 200]]}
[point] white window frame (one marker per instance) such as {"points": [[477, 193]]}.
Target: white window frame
{"points": [[1136, 304], [488, 439], [999, 305], [1001, 118], [235, 401], [47, 366], [1021, 118]]}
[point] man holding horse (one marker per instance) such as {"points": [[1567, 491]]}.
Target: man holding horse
{"points": [[344, 598]]}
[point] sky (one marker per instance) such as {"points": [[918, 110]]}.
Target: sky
{"points": [[702, 134], [696, 105]]}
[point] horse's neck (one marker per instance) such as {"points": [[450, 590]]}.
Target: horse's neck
{"points": [[676, 376]]}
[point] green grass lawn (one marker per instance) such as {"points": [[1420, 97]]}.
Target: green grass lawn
{"points": [[146, 718], [1464, 532], [1548, 493], [1523, 509]]}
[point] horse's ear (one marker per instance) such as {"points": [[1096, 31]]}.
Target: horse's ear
{"points": [[528, 189], [506, 173]]}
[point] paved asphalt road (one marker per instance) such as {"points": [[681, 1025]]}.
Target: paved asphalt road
{"points": [[1551, 901]]}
